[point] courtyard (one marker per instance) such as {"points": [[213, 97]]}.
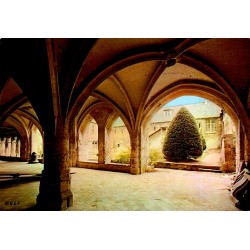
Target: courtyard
{"points": [[95, 190]]}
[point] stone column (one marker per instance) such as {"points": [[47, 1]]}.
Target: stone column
{"points": [[101, 143], [83, 146], [144, 149], [247, 150], [229, 148], [54, 191], [73, 145], [18, 147], [24, 150], [13, 147], [135, 157], [2, 147], [8, 146], [239, 155], [80, 148], [242, 144], [108, 145]]}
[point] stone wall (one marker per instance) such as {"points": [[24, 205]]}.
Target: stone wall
{"points": [[124, 168]]}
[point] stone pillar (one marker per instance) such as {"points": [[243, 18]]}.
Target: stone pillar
{"points": [[135, 157], [240, 147], [81, 149], [229, 148], [247, 150], [54, 191], [237, 146], [229, 154], [13, 147], [83, 144], [8, 146], [2, 147], [242, 144], [144, 149], [24, 150], [73, 145], [18, 147], [108, 145], [101, 143]]}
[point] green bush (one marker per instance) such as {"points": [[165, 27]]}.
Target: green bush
{"points": [[122, 157], [153, 155], [182, 140]]}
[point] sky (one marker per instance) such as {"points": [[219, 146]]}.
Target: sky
{"points": [[183, 100]]}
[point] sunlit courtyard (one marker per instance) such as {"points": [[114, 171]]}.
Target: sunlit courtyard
{"points": [[95, 190]]}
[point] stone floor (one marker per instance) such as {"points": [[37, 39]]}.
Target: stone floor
{"points": [[94, 190]]}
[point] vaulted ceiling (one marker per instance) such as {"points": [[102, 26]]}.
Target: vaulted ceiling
{"points": [[68, 76]]}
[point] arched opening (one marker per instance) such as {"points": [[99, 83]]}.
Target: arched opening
{"points": [[18, 144], [117, 142], [129, 77], [217, 127], [88, 140], [36, 142], [95, 127], [10, 142]]}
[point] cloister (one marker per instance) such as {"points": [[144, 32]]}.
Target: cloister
{"points": [[52, 89]]}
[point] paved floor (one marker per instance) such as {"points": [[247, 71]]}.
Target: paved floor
{"points": [[162, 190]]}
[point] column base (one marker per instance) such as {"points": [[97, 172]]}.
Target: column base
{"points": [[135, 171], [54, 192], [54, 203]]}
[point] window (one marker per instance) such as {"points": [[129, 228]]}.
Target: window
{"points": [[95, 144], [211, 126], [168, 112]]}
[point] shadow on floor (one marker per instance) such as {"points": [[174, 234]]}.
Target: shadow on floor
{"points": [[13, 182]]}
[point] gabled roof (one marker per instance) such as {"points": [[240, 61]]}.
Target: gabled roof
{"points": [[200, 110], [156, 131]]}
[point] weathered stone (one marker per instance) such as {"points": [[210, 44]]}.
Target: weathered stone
{"points": [[173, 165]]}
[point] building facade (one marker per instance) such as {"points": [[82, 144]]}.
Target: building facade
{"points": [[213, 124]]}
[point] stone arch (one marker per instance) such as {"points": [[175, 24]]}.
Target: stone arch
{"points": [[112, 112], [84, 138], [28, 116], [104, 116], [211, 71], [165, 54], [13, 107], [200, 90], [24, 140], [183, 88], [108, 132], [19, 116], [227, 89], [166, 58], [15, 113], [36, 140], [111, 137]]}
